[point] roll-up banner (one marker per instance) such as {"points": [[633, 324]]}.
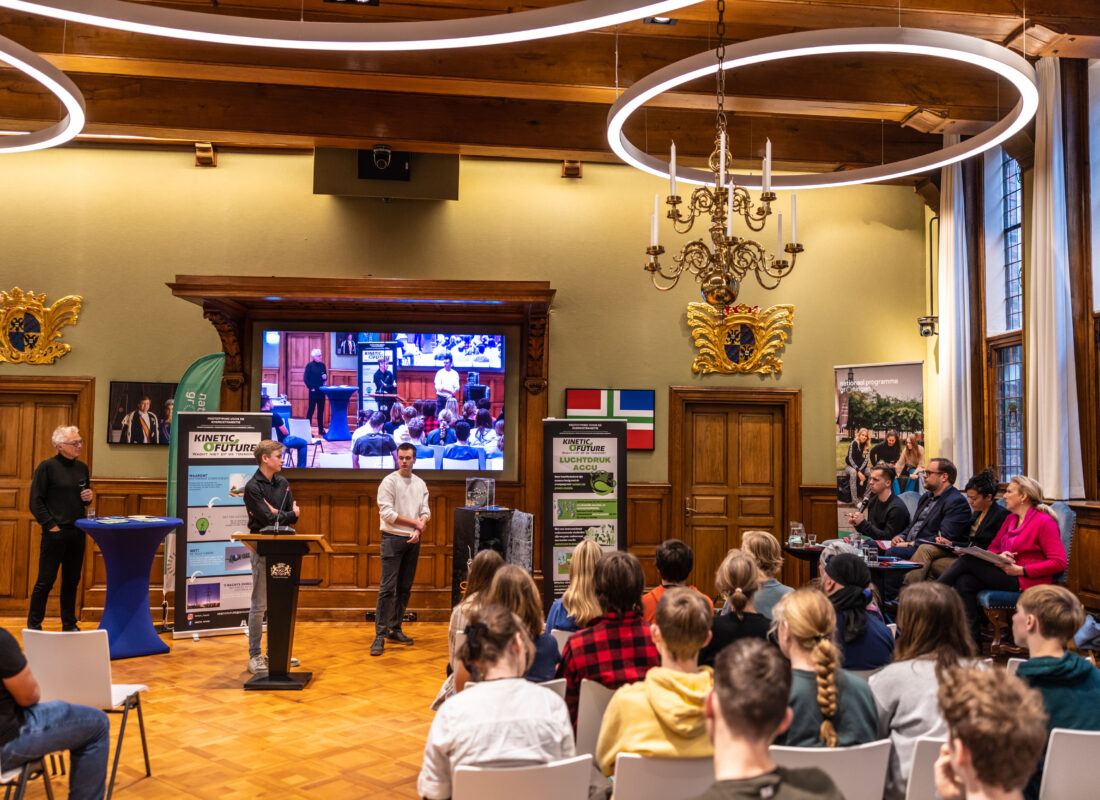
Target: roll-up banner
{"points": [[584, 495], [214, 573]]}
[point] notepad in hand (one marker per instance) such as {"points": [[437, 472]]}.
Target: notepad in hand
{"points": [[985, 555]]}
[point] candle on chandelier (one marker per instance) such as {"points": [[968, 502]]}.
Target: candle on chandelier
{"points": [[722, 160], [672, 172], [794, 220], [779, 235], [767, 165], [653, 224], [729, 215]]}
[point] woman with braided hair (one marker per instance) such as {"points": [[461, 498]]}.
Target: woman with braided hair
{"points": [[504, 720], [737, 578], [831, 706]]}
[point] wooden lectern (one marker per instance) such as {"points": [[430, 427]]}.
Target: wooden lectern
{"points": [[283, 557]]}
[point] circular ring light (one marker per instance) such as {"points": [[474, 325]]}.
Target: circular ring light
{"points": [[914, 41], [57, 82], [539, 23]]}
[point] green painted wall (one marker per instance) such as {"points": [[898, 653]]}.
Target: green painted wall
{"points": [[115, 225]]}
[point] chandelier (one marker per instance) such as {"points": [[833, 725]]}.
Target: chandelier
{"points": [[720, 266]]}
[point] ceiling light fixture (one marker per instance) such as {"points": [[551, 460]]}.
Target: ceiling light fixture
{"points": [[522, 26], [912, 41], [59, 84]]}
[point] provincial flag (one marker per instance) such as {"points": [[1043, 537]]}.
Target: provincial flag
{"points": [[633, 406]]}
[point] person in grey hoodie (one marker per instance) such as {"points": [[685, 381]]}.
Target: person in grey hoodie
{"points": [[1046, 618]]}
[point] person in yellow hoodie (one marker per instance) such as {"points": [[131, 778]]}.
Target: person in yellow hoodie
{"points": [[662, 715]]}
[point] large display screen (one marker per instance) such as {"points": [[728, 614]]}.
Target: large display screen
{"points": [[347, 399]]}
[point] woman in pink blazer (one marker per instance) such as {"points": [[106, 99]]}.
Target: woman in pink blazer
{"points": [[1028, 538]]}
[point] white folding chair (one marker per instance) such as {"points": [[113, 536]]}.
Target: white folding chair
{"points": [[16, 779], [922, 784], [859, 772], [1013, 665], [557, 686], [1071, 770], [76, 667], [642, 778], [593, 702], [302, 429], [558, 780], [561, 637], [459, 463], [334, 461]]}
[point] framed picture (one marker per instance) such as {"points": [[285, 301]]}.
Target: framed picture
{"points": [[634, 406], [141, 412]]}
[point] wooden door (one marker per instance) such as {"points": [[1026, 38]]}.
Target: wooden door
{"points": [[30, 409], [299, 344], [737, 470]]}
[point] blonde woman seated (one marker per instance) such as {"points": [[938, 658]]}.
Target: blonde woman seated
{"points": [[737, 578], [578, 606], [662, 715], [932, 636], [504, 720], [482, 569], [765, 550], [831, 707]]}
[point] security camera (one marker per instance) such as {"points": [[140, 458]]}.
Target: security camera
{"points": [[382, 154], [927, 326]]}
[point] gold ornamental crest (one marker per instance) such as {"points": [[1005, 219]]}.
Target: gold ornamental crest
{"points": [[742, 339], [29, 331], [280, 570]]}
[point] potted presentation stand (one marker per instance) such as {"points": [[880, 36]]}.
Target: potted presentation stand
{"points": [[283, 554]]}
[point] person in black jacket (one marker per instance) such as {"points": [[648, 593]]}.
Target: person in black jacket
{"points": [[59, 493], [985, 521], [314, 377], [886, 515]]}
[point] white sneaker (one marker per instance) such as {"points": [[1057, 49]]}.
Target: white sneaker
{"points": [[257, 665], [293, 661]]}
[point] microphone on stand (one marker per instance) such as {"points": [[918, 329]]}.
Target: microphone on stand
{"points": [[275, 528], [862, 504]]}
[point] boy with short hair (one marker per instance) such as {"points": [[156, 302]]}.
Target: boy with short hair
{"points": [[745, 711], [674, 563], [662, 715], [1046, 619], [996, 731]]}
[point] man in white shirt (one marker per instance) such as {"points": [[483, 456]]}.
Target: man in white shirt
{"points": [[404, 514], [446, 383]]}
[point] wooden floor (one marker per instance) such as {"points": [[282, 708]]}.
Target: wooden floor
{"points": [[357, 730]]}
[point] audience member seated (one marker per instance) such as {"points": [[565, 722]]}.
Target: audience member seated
{"points": [[285, 439], [503, 721], [1028, 539], [483, 435], [932, 636], [401, 433], [578, 606], [498, 443], [986, 518], [445, 433], [514, 589], [885, 515], [996, 731], [469, 413], [616, 648], [416, 436], [866, 641], [1045, 620], [832, 707], [363, 423], [745, 712], [661, 716], [461, 450], [737, 578], [765, 550], [909, 465], [674, 563], [482, 569], [396, 418], [30, 730], [431, 421], [375, 443]]}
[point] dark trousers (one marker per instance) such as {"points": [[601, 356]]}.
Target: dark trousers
{"points": [[891, 582], [398, 570], [64, 549], [970, 575], [317, 401]]}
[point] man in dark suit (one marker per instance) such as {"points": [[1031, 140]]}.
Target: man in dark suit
{"points": [[314, 377], [942, 518]]}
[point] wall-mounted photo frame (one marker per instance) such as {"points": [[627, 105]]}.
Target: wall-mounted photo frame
{"points": [[141, 412]]}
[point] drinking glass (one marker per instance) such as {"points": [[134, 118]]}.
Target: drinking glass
{"points": [[89, 512], [812, 540]]}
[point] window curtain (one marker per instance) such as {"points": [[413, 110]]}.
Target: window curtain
{"points": [[1053, 433], [956, 423]]}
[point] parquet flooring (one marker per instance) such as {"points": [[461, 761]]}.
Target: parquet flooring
{"points": [[357, 730]]}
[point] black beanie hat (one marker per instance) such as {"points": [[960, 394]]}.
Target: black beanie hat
{"points": [[848, 569]]}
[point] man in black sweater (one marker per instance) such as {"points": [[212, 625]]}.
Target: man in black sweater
{"points": [[886, 515], [59, 493], [314, 377]]}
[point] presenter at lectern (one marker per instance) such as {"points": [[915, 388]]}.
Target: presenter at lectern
{"points": [[269, 502]]}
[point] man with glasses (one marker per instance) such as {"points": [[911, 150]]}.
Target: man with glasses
{"points": [[59, 493]]}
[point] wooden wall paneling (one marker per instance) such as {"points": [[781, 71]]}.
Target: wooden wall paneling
{"points": [[1084, 565], [819, 515], [648, 523]]}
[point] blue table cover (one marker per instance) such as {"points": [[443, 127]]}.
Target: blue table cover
{"points": [[338, 397]]}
